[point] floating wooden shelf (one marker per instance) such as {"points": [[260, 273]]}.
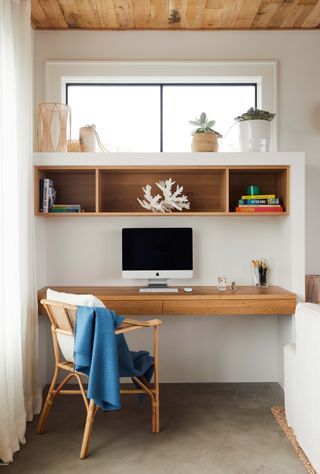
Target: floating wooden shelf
{"points": [[203, 300], [113, 191]]}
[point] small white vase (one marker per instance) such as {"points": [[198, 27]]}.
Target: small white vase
{"points": [[254, 135], [88, 139]]}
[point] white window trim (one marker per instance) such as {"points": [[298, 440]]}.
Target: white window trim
{"points": [[263, 73]]}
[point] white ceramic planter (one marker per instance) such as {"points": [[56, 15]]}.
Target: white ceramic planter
{"points": [[254, 135]]}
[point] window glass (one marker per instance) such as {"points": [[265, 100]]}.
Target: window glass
{"points": [[127, 118], [155, 117], [220, 102]]}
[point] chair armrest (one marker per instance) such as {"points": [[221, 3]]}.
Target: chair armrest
{"points": [[154, 322], [134, 322], [129, 325]]}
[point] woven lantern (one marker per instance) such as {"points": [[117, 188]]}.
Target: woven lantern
{"points": [[53, 127]]}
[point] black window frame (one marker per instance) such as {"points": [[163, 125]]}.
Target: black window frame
{"points": [[161, 86]]}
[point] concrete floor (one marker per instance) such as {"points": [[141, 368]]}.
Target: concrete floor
{"points": [[205, 429]]}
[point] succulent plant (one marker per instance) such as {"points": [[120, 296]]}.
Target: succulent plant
{"points": [[255, 114], [204, 125]]}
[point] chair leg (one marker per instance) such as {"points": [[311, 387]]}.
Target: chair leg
{"points": [[156, 381], [47, 404], [153, 417], [154, 397], [157, 417], [87, 430], [155, 414]]}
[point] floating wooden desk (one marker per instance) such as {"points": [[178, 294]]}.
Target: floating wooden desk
{"points": [[204, 300]]}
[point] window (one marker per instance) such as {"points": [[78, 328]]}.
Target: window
{"points": [[146, 105], [127, 117], [155, 117], [221, 102]]}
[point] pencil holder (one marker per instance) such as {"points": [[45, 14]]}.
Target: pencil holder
{"points": [[259, 269], [254, 276], [263, 279]]}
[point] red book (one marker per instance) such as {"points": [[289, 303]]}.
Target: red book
{"points": [[259, 209]]}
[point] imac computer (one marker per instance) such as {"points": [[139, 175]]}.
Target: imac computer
{"points": [[157, 254]]}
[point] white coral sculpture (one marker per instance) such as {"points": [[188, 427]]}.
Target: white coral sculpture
{"points": [[172, 200]]}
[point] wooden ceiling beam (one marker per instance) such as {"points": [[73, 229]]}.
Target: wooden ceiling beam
{"points": [[159, 11], [304, 11], [265, 14], [141, 14], [230, 11], [247, 14], [80, 14], [194, 14], [284, 13], [124, 13], [175, 14], [107, 14], [48, 14], [313, 19]]}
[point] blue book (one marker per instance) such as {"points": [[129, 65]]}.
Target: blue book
{"points": [[258, 202]]}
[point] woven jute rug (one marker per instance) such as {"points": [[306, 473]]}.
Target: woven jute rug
{"points": [[280, 415]]}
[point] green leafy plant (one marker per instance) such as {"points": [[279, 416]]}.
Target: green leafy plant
{"points": [[255, 114], [204, 125]]}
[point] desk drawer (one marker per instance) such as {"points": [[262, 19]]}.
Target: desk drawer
{"points": [[135, 308], [224, 306]]}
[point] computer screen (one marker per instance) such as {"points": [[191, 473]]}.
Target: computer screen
{"points": [[157, 249]]}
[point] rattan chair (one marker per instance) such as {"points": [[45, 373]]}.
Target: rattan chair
{"points": [[312, 283], [62, 317]]}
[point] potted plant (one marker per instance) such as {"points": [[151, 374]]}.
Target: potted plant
{"points": [[204, 137], [254, 130]]}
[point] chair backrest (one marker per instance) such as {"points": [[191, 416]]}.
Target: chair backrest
{"points": [[62, 317], [313, 288]]}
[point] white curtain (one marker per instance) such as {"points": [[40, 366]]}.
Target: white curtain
{"points": [[19, 388]]}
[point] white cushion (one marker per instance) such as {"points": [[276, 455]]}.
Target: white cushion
{"points": [[66, 343], [71, 298]]}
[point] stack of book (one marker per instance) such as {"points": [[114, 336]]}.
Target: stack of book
{"points": [[259, 203], [66, 208], [47, 195]]}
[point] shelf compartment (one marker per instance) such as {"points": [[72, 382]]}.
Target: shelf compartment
{"points": [[119, 189], [72, 185], [272, 180], [112, 191]]}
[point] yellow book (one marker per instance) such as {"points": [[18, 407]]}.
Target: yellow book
{"points": [[260, 196]]}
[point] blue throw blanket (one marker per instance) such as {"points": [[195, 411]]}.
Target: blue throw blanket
{"points": [[105, 357]]}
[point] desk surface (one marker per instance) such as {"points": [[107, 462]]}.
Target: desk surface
{"points": [[203, 300]]}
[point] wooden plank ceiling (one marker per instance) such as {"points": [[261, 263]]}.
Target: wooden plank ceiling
{"points": [[175, 14]]}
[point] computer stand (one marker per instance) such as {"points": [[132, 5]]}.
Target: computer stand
{"points": [[161, 283], [158, 286]]}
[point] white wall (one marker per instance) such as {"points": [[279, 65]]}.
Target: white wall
{"points": [[298, 91], [87, 251], [226, 345]]}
